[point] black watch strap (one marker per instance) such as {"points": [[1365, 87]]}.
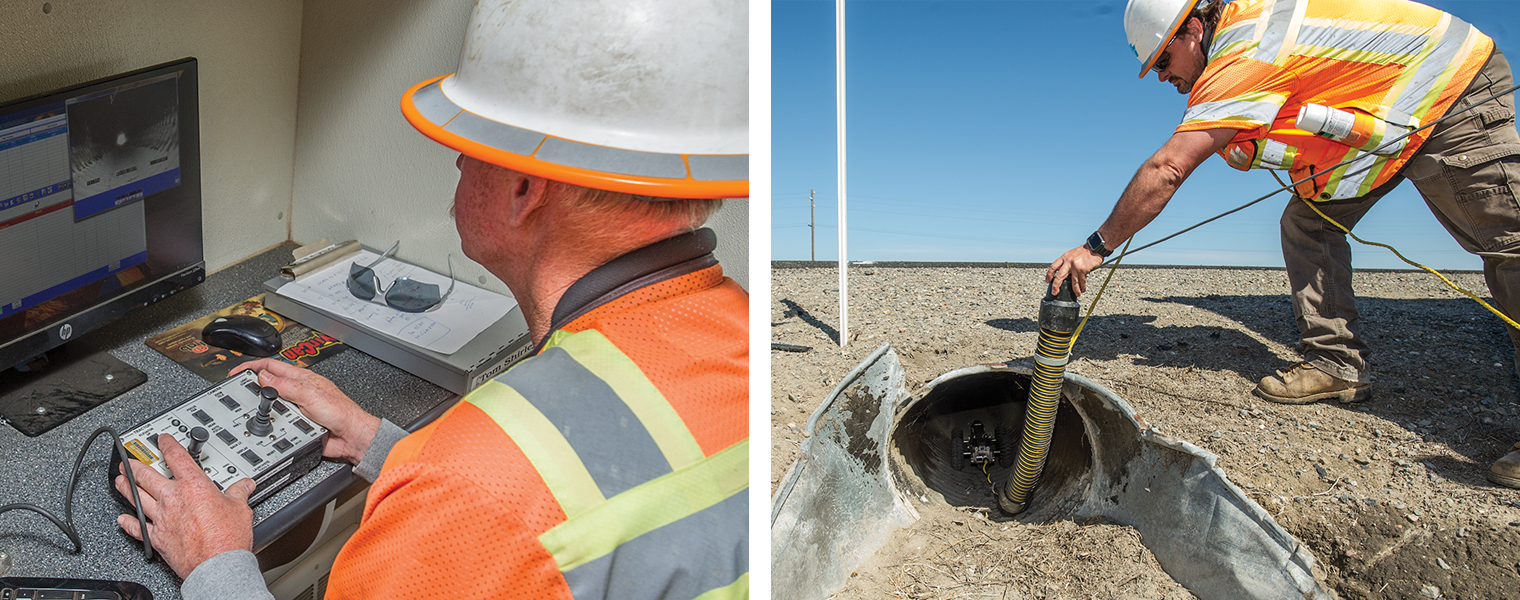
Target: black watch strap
{"points": [[1095, 243]]}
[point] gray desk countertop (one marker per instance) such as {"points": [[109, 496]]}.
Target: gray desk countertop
{"points": [[37, 470]]}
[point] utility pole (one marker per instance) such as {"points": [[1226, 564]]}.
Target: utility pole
{"points": [[844, 273], [812, 230]]}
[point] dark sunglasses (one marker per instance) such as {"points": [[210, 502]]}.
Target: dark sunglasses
{"points": [[404, 294], [1166, 57]]}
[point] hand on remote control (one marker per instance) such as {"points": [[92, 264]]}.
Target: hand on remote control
{"points": [[350, 429], [190, 519]]}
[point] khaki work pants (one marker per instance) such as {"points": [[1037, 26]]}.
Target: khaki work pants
{"points": [[1469, 174]]}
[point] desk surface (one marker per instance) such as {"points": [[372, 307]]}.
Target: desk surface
{"points": [[36, 470]]}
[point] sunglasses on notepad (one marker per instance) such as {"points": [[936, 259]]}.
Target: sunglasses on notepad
{"points": [[404, 294]]}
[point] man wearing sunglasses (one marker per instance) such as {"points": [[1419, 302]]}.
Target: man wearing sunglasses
{"points": [[614, 463], [1303, 86]]}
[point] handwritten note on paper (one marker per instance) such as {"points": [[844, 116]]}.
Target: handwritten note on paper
{"points": [[446, 329]]}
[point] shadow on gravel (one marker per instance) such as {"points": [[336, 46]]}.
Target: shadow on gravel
{"points": [[793, 310], [1433, 363]]}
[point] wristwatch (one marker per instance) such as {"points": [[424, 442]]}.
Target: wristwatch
{"points": [[1095, 243]]}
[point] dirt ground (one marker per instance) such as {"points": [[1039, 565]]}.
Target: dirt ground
{"points": [[1389, 494]]}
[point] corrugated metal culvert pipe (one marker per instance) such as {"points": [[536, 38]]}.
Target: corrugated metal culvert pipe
{"points": [[875, 452]]}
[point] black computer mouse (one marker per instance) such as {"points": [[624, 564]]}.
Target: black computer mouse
{"points": [[243, 334]]}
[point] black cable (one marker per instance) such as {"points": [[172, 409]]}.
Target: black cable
{"points": [[67, 524], [1317, 174]]}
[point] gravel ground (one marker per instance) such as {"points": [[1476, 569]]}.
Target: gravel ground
{"points": [[1389, 494]]}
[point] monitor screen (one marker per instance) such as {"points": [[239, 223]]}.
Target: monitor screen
{"points": [[100, 206]]}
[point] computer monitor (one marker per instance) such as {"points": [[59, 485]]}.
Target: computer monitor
{"points": [[100, 208]]}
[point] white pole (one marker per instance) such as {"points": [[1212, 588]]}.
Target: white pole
{"points": [[844, 279]]}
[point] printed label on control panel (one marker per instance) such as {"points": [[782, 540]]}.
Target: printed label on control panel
{"points": [[141, 451]]}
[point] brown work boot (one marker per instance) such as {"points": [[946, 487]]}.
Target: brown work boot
{"points": [[1301, 383], [1506, 471]]}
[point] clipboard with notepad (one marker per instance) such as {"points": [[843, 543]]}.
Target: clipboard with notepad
{"points": [[473, 336]]}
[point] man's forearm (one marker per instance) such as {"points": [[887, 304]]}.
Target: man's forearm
{"points": [[1146, 195], [1158, 179], [227, 576]]}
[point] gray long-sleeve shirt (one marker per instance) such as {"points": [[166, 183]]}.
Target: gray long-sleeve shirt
{"points": [[235, 575]]}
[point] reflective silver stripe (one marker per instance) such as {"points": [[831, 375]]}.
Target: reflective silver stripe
{"points": [[1399, 117], [1411, 99], [1277, 30], [1274, 155], [609, 439], [497, 135], [1232, 110], [1241, 32], [719, 167], [612, 160], [1361, 40], [706, 550], [1351, 186], [433, 105]]}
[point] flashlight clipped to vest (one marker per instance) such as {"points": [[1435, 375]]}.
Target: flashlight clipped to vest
{"points": [[1058, 323]]}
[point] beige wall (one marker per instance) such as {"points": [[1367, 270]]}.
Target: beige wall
{"points": [[362, 172], [248, 52], [301, 136]]}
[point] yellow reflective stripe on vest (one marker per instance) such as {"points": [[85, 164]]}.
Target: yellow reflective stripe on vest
{"points": [[1235, 38], [1360, 41], [543, 445], [1258, 108], [1272, 154], [648, 507], [595, 352], [738, 590]]}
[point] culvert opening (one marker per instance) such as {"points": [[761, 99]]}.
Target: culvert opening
{"points": [[996, 401]]}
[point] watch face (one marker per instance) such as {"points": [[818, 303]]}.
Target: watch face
{"points": [[1095, 243]]}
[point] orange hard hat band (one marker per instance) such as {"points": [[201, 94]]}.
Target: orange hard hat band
{"points": [[587, 165]]}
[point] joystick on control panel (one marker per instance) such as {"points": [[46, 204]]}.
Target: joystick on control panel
{"points": [[198, 438], [260, 425], [234, 429]]}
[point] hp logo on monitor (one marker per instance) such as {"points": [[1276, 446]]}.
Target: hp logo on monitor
{"points": [[66, 331]]}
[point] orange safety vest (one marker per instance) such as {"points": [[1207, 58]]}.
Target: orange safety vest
{"points": [[1398, 61], [613, 464]]}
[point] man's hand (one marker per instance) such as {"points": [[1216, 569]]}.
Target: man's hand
{"points": [[191, 520], [350, 429], [1076, 263]]}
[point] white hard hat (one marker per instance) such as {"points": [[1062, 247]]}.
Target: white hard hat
{"points": [[1150, 24], [647, 97]]}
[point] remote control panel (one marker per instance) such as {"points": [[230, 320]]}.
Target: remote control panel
{"points": [[234, 429]]}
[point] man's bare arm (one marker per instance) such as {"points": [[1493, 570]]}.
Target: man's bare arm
{"points": [[1147, 193]]}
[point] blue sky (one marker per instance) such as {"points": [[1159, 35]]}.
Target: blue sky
{"points": [[1005, 131]]}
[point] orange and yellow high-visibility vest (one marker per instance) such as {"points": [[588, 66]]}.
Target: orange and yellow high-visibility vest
{"points": [[612, 464], [1398, 61]]}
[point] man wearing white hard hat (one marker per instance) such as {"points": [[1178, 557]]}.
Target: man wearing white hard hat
{"points": [[595, 136], [1334, 93]]}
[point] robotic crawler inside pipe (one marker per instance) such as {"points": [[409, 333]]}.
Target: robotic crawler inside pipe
{"points": [[1058, 324]]}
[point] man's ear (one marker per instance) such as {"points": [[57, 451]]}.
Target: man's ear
{"points": [[529, 193], [1195, 27]]}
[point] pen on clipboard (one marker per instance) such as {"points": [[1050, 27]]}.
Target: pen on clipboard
{"points": [[314, 256]]}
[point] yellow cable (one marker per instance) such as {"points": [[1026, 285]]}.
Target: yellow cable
{"points": [[1395, 251], [989, 478], [1094, 304]]}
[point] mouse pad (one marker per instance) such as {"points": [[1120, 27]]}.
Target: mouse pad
{"points": [[36, 401], [299, 345]]}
